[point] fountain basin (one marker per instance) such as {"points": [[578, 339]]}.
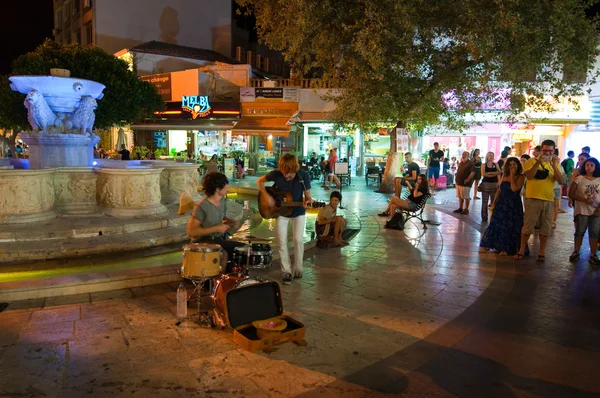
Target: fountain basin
{"points": [[26, 196], [61, 93], [75, 190], [130, 192], [175, 178]]}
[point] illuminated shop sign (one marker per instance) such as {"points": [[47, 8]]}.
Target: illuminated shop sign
{"points": [[197, 105]]}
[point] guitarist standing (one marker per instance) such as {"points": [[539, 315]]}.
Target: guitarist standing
{"points": [[289, 178]]}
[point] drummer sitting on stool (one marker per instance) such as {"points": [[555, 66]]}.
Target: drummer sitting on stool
{"points": [[208, 223], [329, 225]]}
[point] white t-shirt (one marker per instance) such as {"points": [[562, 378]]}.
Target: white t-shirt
{"points": [[587, 189], [327, 212]]}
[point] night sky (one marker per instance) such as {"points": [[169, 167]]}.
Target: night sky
{"points": [[23, 27]]}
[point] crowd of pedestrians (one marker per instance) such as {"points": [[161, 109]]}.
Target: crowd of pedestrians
{"points": [[519, 195], [540, 180]]}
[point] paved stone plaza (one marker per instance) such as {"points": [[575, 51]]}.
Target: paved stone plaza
{"points": [[414, 313]]}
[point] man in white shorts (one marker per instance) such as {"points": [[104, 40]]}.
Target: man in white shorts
{"points": [[464, 181]]}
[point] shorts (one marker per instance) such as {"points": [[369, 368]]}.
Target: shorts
{"points": [[557, 192], [434, 172], [463, 192], [591, 223], [324, 229], [540, 212], [412, 206]]}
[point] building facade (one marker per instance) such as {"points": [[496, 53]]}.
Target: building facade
{"points": [[214, 25]]}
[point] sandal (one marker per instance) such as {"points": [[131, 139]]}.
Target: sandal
{"points": [[298, 275], [384, 214], [574, 256], [540, 258], [518, 256]]}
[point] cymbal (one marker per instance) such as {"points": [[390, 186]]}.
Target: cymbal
{"points": [[253, 239]]}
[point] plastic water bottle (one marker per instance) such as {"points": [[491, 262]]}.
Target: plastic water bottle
{"points": [[181, 301]]}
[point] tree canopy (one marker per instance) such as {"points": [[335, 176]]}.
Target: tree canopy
{"points": [[395, 60], [399, 61], [126, 98]]}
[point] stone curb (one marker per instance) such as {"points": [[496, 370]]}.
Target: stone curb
{"points": [[97, 282]]}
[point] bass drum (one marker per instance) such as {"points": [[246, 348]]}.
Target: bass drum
{"points": [[227, 283]]}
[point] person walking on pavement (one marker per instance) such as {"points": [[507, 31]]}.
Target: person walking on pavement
{"points": [[541, 172], [489, 186], [464, 181], [289, 178], [436, 156], [503, 233], [476, 159], [585, 192]]}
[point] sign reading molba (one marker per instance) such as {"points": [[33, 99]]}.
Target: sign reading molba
{"points": [[197, 105]]}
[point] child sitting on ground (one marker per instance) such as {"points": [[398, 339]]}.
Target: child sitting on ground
{"points": [[329, 225]]}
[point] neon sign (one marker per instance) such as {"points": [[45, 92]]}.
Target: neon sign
{"points": [[197, 105]]}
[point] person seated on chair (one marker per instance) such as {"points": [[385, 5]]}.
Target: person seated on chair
{"points": [[446, 172], [409, 178], [209, 222], [329, 225], [416, 195]]}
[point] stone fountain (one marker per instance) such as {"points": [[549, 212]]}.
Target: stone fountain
{"points": [[61, 113], [60, 179]]}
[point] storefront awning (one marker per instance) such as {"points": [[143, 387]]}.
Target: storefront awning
{"points": [[559, 121], [185, 125], [259, 125], [314, 116]]}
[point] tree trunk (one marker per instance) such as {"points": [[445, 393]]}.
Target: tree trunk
{"points": [[387, 182]]}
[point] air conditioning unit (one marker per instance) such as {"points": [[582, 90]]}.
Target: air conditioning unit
{"points": [[239, 54], [250, 58]]}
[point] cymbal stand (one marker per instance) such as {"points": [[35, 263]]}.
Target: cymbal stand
{"points": [[201, 317]]}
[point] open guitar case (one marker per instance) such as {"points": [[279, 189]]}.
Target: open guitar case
{"points": [[254, 303]]}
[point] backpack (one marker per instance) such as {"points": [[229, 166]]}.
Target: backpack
{"points": [[396, 222], [563, 164]]}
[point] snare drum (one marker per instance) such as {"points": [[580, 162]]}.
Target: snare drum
{"points": [[260, 258], [201, 260], [227, 283]]}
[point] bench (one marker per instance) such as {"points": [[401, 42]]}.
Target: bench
{"points": [[416, 213]]}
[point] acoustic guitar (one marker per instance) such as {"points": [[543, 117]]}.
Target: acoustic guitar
{"points": [[283, 203]]}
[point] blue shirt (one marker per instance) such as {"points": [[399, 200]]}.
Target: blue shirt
{"points": [[295, 187]]}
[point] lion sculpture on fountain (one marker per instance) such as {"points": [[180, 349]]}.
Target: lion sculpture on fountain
{"points": [[82, 120], [39, 114]]}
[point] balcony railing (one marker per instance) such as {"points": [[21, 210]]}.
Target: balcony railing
{"points": [[300, 83]]}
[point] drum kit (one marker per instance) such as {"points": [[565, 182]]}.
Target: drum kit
{"points": [[201, 265]]}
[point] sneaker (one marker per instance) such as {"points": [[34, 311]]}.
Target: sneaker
{"points": [[465, 211], [574, 256], [594, 259], [458, 211], [287, 278]]}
